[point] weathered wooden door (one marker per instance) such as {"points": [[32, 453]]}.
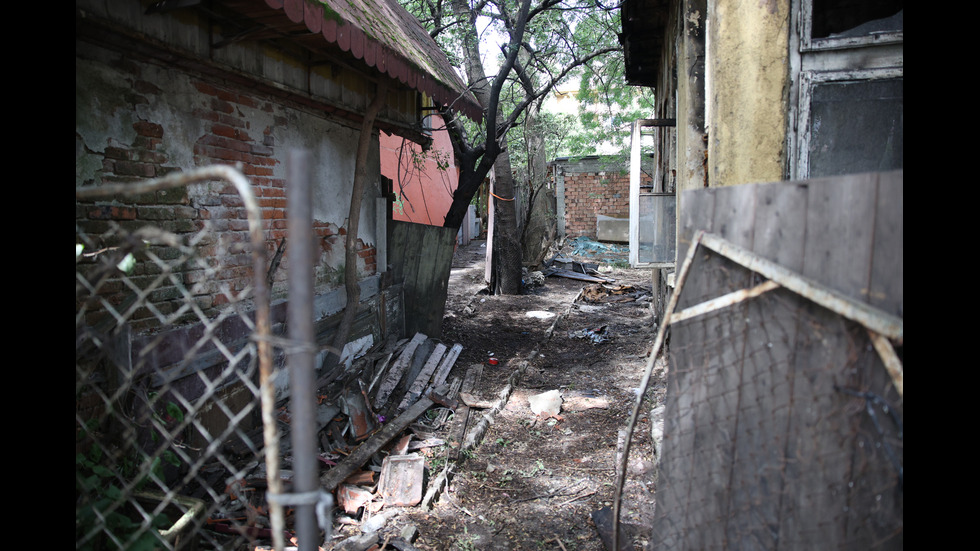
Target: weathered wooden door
{"points": [[421, 256]]}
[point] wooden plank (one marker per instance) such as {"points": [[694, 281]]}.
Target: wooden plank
{"points": [[447, 364], [766, 389], [718, 424], [473, 374], [761, 441], [734, 214], [363, 453], [816, 292], [422, 380], [837, 253], [397, 370], [422, 257], [405, 252], [817, 468], [696, 215], [876, 496], [840, 233], [677, 509], [887, 266], [577, 276]]}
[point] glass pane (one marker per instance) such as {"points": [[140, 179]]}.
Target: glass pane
{"points": [[856, 126], [657, 228]]}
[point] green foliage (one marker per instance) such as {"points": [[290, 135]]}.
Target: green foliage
{"points": [[607, 108], [127, 264], [102, 504], [105, 484], [606, 105]]}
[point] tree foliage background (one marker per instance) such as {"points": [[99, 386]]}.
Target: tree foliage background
{"points": [[513, 54]]}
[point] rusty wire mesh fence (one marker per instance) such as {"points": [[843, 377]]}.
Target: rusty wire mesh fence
{"points": [[168, 426], [783, 426]]}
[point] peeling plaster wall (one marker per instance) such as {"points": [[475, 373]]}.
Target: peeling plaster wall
{"points": [[748, 72], [137, 120]]}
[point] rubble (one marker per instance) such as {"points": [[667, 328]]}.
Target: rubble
{"points": [[597, 335], [375, 430], [401, 480], [563, 267], [613, 293]]}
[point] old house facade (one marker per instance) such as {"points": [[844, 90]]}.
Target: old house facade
{"points": [[780, 128], [163, 88], [753, 92]]}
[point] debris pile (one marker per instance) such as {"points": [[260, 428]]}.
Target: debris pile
{"points": [[597, 335], [377, 426], [565, 267], [600, 293], [586, 246]]}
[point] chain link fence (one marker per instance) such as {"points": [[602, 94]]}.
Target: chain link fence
{"points": [[170, 451]]}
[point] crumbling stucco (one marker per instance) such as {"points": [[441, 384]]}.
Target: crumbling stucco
{"points": [[748, 66]]}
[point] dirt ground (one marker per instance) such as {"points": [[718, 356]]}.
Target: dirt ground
{"points": [[533, 482]]}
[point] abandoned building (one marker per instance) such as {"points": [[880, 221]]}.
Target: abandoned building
{"points": [[168, 292], [779, 129], [771, 220]]}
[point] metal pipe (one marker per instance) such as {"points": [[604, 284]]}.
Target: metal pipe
{"points": [[301, 336]]}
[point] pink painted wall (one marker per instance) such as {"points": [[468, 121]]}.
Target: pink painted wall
{"points": [[423, 181]]}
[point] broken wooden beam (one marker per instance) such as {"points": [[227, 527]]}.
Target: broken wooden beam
{"points": [[446, 366], [473, 374], [363, 453], [578, 276], [397, 370], [422, 380]]}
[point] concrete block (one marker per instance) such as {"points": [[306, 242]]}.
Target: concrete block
{"points": [[615, 230]]}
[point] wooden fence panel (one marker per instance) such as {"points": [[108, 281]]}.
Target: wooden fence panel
{"points": [[769, 437], [886, 265], [422, 256]]}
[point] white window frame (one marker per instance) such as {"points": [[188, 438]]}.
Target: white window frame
{"points": [[818, 61]]}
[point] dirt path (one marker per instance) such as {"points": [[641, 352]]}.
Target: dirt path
{"points": [[533, 481]]}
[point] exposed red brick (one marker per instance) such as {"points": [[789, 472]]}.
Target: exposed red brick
{"points": [[107, 212], [149, 129], [226, 131]]}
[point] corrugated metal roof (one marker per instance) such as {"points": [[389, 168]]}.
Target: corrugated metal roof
{"points": [[381, 34]]}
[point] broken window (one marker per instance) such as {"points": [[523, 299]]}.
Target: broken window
{"points": [[844, 23], [855, 126], [657, 228], [653, 210], [850, 115]]}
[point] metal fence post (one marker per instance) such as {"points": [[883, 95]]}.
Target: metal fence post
{"points": [[301, 378]]}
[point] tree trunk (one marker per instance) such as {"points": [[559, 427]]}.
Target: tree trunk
{"points": [[351, 284], [506, 235], [506, 261]]}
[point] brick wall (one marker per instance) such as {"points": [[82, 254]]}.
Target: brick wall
{"points": [[592, 188], [589, 194], [154, 121]]}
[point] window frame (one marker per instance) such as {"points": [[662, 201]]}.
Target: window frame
{"points": [[810, 44]]}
